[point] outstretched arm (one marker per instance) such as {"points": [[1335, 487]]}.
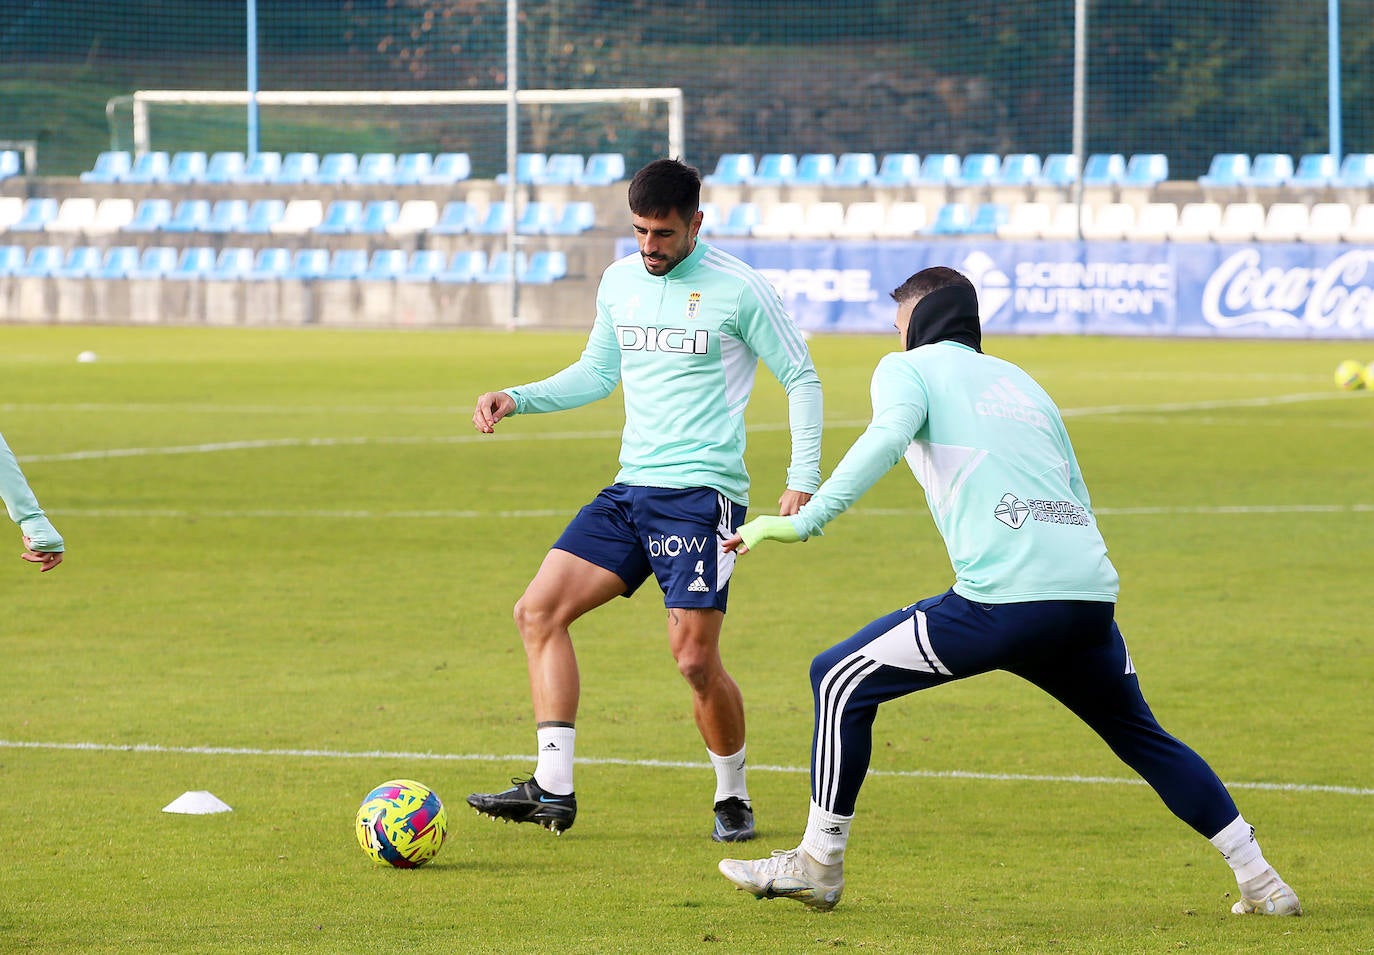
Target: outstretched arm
{"points": [[491, 408]]}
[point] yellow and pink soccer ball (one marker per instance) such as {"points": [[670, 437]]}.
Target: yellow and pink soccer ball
{"points": [[402, 824], [1351, 375]]}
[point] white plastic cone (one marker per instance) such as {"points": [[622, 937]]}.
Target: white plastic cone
{"points": [[197, 803]]}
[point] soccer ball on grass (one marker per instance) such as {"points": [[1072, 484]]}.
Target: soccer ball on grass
{"points": [[1351, 375], [401, 823]]}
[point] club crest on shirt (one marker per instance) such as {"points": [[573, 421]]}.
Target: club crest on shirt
{"points": [[693, 303]]}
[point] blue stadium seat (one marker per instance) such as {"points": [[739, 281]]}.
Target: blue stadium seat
{"points": [[194, 262], [149, 215], [465, 266], [857, 169], [262, 215], [454, 219], [385, 265], [1269, 171], [987, 218], [186, 168], [232, 263], [297, 168], [36, 214], [423, 266], [495, 222], [938, 169], [271, 262], [952, 218], [528, 168], [1356, 171], [1146, 170], [117, 263], [346, 264], [447, 169], [377, 215], [1058, 171], [710, 218], [336, 169], [978, 169], [225, 167], [154, 262], [898, 169], [1019, 169], [374, 169], [81, 261], [499, 267], [775, 169], [261, 167], [814, 169], [574, 219], [732, 169], [11, 163], [545, 266], [11, 258], [228, 215], [1104, 169], [308, 264], [1315, 171], [42, 261], [739, 220], [411, 169], [341, 217], [602, 169], [110, 166], [1226, 170], [536, 218], [148, 167], [562, 169], [191, 215]]}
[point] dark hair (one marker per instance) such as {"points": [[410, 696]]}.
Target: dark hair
{"points": [[664, 186], [929, 280]]}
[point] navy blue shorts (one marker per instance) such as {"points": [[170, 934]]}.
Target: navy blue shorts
{"points": [[673, 533]]}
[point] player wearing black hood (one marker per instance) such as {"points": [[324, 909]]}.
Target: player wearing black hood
{"points": [[1034, 593]]}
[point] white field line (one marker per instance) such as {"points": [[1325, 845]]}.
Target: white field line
{"points": [[154, 748]]}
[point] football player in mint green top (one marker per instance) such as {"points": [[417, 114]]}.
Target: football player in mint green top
{"points": [[42, 544], [1034, 594], [681, 327]]}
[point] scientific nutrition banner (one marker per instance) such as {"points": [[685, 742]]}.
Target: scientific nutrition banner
{"points": [[1278, 290]]}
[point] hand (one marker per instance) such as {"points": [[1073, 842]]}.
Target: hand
{"points": [[47, 558], [491, 408], [752, 533], [791, 502]]}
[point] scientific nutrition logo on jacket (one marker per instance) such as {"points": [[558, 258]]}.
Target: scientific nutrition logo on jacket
{"points": [[1013, 512]]}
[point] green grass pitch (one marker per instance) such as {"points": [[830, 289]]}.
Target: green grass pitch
{"points": [[292, 562]]}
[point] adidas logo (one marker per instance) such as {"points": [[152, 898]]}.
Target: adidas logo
{"points": [[1005, 400], [831, 830], [698, 586], [551, 747]]}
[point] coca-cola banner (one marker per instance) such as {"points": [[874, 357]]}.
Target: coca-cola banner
{"points": [[1107, 288]]}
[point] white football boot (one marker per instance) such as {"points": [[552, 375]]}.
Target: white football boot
{"points": [[788, 874]]}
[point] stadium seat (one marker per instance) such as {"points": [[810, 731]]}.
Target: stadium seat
{"points": [[261, 167], [465, 266], [225, 167], [857, 169], [110, 166], [411, 169], [528, 168], [149, 215], [377, 216], [1111, 221], [498, 268], [738, 221], [536, 218], [1327, 222], [1067, 220], [385, 265], [341, 217], [1146, 170], [190, 215], [447, 169], [1314, 171], [1269, 171], [986, 218], [978, 169], [186, 168], [81, 262], [1153, 222], [732, 169], [710, 218], [11, 259], [574, 218], [496, 220], [35, 215], [1284, 222], [903, 220], [308, 264], [775, 169], [1356, 172], [75, 214], [228, 215], [42, 261], [897, 169], [952, 218], [374, 169], [11, 209], [154, 262], [1025, 220], [413, 216], [297, 168], [562, 169], [11, 163], [346, 264], [111, 215], [1104, 169], [1226, 170], [270, 262], [1019, 169], [814, 169], [1361, 228], [117, 262], [194, 262], [423, 265], [861, 220], [299, 216], [603, 169], [148, 167], [778, 220], [1240, 222], [938, 169], [454, 219], [1196, 220], [545, 266], [335, 169], [263, 214], [821, 220], [232, 263], [1058, 171]]}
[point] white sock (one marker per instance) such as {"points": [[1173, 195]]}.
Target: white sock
{"points": [[729, 776], [554, 771], [827, 834], [1238, 847]]}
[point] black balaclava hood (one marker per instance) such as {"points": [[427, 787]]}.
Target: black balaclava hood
{"points": [[948, 314]]}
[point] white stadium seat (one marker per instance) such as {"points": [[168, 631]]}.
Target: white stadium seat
{"points": [[1153, 221], [1240, 222], [1196, 220], [1327, 222]]}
